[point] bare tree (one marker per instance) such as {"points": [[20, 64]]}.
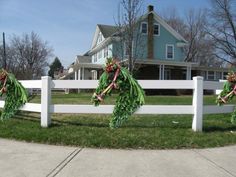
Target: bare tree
{"points": [[223, 29], [172, 17], [196, 35], [28, 56], [193, 29], [128, 23], [10, 63]]}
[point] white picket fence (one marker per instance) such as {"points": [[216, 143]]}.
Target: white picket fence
{"points": [[197, 109]]}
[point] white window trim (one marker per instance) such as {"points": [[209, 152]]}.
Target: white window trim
{"points": [[214, 75], [142, 28], [159, 30], [167, 45]]}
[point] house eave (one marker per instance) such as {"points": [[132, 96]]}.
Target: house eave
{"points": [[106, 42]]}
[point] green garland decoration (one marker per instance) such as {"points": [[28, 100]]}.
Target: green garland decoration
{"points": [[131, 95], [228, 93], [16, 95]]}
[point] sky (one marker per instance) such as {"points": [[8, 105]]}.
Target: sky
{"points": [[69, 25]]}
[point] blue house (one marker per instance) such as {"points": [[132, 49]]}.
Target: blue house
{"points": [[158, 52]]}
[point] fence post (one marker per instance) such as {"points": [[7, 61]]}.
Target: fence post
{"points": [[197, 103], [45, 101]]}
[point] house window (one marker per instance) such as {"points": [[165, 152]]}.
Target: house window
{"points": [[218, 76], [99, 38], [95, 57], [156, 29], [211, 75], [106, 52], [225, 75], [144, 28], [100, 54], [169, 51], [204, 74]]}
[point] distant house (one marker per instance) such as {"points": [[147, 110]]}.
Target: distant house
{"points": [[161, 55]]}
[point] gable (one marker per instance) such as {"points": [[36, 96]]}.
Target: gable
{"points": [[102, 32], [169, 28], [165, 25]]}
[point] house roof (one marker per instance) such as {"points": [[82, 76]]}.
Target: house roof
{"points": [[107, 30], [83, 59]]}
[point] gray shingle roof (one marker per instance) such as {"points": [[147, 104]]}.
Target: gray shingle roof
{"points": [[84, 59], [107, 30]]}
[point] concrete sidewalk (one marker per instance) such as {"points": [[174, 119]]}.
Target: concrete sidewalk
{"points": [[19, 159]]}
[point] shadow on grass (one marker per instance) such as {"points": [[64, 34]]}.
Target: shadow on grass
{"points": [[127, 125], [212, 129]]}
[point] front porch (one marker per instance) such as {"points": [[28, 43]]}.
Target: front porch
{"points": [[166, 70], [163, 70]]}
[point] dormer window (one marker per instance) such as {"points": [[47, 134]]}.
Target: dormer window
{"points": [[106, 52], [99, 38], [144, 27], [156, 29]]}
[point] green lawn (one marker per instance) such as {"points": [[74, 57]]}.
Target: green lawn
{"points": [[85, 98], [141, 131]]}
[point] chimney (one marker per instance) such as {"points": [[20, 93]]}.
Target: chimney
{"points": [[150, 41], [150, 8]]}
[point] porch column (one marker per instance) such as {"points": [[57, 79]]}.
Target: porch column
{"points": [[79, 77], [188, 73], [95, 75], [83, 73], [76, 74], [79, 74], [161, 72]]}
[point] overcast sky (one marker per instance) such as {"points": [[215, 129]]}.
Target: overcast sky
{"points": [[69, 25]]}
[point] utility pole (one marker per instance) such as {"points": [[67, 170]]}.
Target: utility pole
{"points": [[4, 52]]}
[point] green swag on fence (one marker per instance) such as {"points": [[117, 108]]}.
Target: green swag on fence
{"points": [[228, 92], [131, 95], [15, 93]]}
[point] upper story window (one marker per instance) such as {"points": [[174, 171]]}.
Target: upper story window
{"points": [[144, 27], [169, 51], [100, 54], [95, 59], [156, 29], [99, 37], [106, 52]]}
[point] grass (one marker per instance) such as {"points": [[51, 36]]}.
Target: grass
{"points": [[85, 98], [141, 131]]}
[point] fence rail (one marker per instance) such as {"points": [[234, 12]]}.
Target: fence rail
{"points": [[197, 109]]}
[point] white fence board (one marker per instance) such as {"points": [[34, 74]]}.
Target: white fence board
{"points": [[166, 84], [107, 109], [212, 85], [146, 84], [34, 107], [218, 109], [75, 84], [31, 83]]}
